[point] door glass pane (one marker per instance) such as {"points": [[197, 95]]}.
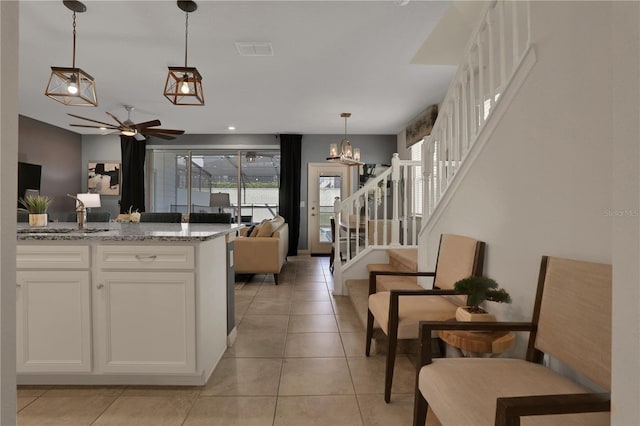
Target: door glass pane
{"points": [[328, 190], [259, 185]]}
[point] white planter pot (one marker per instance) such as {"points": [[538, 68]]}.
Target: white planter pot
{"points": [[38, 219], [464, 315]]}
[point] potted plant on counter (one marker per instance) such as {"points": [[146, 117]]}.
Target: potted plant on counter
{"points": [[37, 206], [479, 289]]}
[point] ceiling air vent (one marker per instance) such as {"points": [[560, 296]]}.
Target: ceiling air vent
{"points": [[253, 48]]}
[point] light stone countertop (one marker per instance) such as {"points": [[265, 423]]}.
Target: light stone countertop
{"points": [[102, 231]]}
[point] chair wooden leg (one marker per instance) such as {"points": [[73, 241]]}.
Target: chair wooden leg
{"points": [[420, 407], [275, 278], [442, 347], [367, 350], [391, 359]]}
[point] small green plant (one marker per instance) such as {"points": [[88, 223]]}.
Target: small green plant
{"points": [[36, 204], [479, 289]]}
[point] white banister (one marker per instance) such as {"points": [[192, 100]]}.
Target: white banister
{"points": [[474, 93], [363, 219]]}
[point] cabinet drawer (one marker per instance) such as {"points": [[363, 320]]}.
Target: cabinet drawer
{"points": [[145, 257], [52, 257]]}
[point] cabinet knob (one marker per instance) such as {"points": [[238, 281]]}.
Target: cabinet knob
{"points": [[100, 286], [18, 285]]}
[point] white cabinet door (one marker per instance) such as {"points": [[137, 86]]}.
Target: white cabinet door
{"points": [[53, 321], [145, 322]]}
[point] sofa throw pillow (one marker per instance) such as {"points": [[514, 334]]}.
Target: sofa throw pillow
{"points": [[255, 230], [247, 232], [266, 229]]}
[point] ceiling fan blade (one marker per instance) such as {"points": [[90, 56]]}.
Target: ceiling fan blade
{"points": [[167, 131], [160, 135], [93, 121], [147, 124], [116, 118], [110, 127]]}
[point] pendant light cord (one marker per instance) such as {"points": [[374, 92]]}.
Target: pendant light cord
{"points": [[74, 40], [186, 37]]}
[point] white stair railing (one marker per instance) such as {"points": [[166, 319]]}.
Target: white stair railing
{"points": [[381, 213], [494, 54]]}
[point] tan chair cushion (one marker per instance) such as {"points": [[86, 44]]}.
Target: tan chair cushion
{"points": [[463, 391], [455, 262], [577, 295], [412, 310]]}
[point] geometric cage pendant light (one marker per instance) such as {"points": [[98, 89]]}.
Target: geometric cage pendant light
{"points": [[72, 86], [184, 84]]}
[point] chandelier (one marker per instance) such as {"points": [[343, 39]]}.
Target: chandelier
{"points": [[347, 155]]}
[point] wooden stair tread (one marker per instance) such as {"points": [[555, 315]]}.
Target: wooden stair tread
{"points": [[391, 282], [381, 267], [406, 259]]}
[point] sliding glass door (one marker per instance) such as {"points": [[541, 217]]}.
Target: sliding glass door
{"points": [[243, 183]]}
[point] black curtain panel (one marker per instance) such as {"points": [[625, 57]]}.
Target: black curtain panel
{"points": [[290, 149], [133, 153]]}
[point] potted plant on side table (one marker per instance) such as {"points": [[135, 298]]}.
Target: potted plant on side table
{"points": [[479, 289], [37, 206]]}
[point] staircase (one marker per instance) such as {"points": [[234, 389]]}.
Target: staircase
{"points": [[498, 58]]}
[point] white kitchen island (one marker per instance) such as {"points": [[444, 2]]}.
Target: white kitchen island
{"points": [[139, 303]]}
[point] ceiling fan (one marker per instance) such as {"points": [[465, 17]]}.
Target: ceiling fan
{"points": [[129, 128]]}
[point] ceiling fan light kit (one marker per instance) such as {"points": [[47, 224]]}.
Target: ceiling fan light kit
{"points": [[184, 84], [72, 86]]}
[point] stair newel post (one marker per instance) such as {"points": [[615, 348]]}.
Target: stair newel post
{"points": [[337, 261], [395, 179]]}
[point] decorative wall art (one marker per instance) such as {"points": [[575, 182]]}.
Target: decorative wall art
{"points": [[104, 178], [421, 125]]}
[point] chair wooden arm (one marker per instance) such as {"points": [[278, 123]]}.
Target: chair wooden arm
{"points": [[510, 409], [374, 274]]}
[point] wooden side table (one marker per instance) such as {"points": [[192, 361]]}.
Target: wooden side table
{"points": [[471, 343]]}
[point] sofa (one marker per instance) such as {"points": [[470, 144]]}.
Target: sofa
{"points": [[262, 248]]}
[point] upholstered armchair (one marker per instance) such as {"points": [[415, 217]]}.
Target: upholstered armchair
{"points": [[397, 312], [571, 322]]}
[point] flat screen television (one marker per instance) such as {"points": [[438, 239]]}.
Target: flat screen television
{"points": [[29, 176]]}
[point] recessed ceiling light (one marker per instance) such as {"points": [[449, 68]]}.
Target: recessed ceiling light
{"points": [[231, 128]]}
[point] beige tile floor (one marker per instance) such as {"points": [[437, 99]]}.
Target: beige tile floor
{"points": [[298, 360]]}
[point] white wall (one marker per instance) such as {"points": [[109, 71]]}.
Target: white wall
{"points": [[8, 185], [625, 46], [559, 176]]}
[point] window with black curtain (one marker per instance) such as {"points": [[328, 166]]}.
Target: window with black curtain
{"points": [[290, 153], [133, 156]]}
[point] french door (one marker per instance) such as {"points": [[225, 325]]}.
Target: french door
{"points": [[326, 181]]}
